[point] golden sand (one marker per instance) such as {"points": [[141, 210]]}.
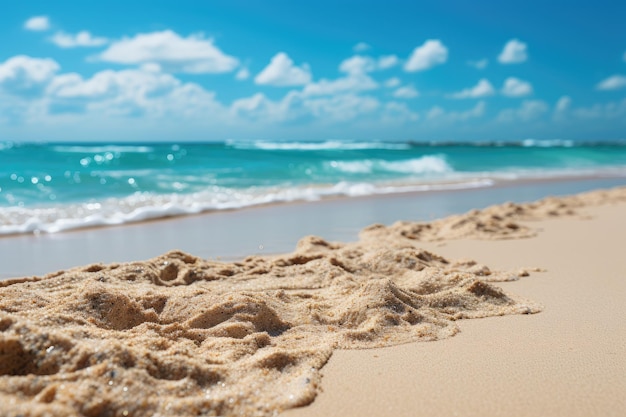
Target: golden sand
{"points": [[177, 335]]}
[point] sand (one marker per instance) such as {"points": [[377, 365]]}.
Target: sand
{"points": [[178, 335]]}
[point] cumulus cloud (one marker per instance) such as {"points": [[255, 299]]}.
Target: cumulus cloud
{"points": [[482, 89], [131, 92], [611, 110], [360, 47], [242, 74], [359, 64], [82, 38], [563, 104], [528, 110], [407, 91], [295, 105], [392, 82], [438, 114], [282, 72], [614, 82], [341, 108], [387, 61], [193, 54], [22, 74], [398, 112], [514, 52], [37, 23], [424, 57], [514, 87], [480, 64], [352, 83]]}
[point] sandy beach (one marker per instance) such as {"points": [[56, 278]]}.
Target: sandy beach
{"points": [[569, 360], [377, 326]]}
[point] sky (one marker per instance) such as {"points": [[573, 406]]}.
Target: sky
{"points": [[129, 71]]}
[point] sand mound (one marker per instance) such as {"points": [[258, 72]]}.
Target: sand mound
{"points": [[495, 222], [177, 335]]}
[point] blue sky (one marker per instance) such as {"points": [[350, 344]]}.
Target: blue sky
{"points": [[394, 70]]}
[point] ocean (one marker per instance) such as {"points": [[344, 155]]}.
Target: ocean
{"points": [[52, 187]]}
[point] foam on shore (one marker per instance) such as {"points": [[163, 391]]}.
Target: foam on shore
{"points": [[178, 335]]}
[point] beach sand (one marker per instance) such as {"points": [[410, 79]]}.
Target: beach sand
{"points": [[339, 326]]}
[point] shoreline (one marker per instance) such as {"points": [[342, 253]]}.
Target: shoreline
{"points": [[429, 188], [269, 229]]}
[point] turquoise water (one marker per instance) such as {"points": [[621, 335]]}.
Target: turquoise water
{"points": [[55, 187]]}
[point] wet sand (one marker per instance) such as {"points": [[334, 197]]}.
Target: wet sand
{"points": [[251, 337]]}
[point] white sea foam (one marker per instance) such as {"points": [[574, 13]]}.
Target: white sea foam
{"points": [[429, 164], [143, 206], [548, 143], [86, 149], [315, 146]]}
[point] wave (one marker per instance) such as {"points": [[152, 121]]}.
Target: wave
{"points": [[143, 206], [331, 145], [429, 164], [97, 148]]}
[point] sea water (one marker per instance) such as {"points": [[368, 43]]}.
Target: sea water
{"points": [[51, 187]]}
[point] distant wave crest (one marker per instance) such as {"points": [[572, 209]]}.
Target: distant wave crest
{"points": [[315, 146], [428, 164]]}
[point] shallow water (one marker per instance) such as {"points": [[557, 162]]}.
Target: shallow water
{"points": [[56, 187]]}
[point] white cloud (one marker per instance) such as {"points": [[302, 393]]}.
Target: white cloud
{"points": [[564, 104], [282, 72], [392, 82], [514, 87], [611, 110], [407, 91], [242, 74], [352, 83], [528, 110], [294, 105], [22, 73], [360, 47], [357, 64], [614, 82], [193, 54], [395, 112], [480, 64], [37, 23], [438, 114], [387, 61], [144, 91], [82, 38], [431, 53], [514, 52], [482, 89], [342, 107]]}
